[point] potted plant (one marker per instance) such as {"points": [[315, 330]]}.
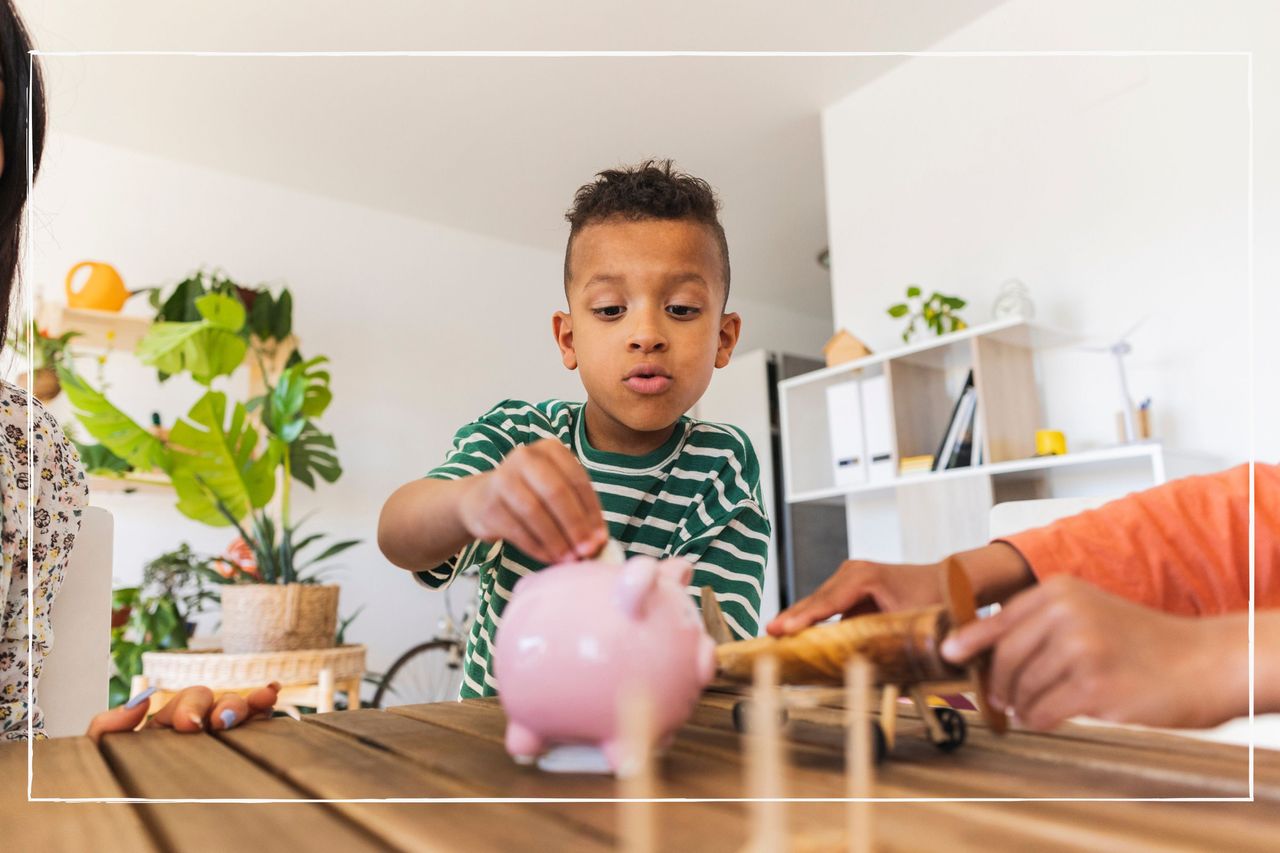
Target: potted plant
{"points": [[937, 313], [47, 352], [228, 459], [156, 614]]}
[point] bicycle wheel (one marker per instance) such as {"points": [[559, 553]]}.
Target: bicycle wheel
{"points": [[429, 672]]}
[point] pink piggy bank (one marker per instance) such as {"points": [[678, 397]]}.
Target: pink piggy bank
{"points": [[579, 637]]}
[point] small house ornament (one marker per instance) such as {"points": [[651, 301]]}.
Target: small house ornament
{"points": [[842, 347]]}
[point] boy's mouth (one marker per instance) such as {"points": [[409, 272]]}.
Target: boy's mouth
{"points": [[647, 379]]}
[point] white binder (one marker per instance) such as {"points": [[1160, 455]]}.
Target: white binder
{"points": [[877, 421], [844, 419]]}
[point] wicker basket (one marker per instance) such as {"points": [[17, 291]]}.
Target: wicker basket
{"points": [[272, 618], [173, 671]]}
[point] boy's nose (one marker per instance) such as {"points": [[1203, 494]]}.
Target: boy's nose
{"points": [[646, 340]]}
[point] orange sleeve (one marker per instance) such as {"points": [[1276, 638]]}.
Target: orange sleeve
{"points": [[1182, 547]]}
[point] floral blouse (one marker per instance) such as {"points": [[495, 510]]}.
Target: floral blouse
{"points": [[58, 491]]}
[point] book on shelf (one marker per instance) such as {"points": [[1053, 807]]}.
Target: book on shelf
{"points": [[958, 426], [915, 465]]}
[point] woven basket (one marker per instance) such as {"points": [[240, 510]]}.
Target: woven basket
{"points": [[175, 670], [272, 618]]}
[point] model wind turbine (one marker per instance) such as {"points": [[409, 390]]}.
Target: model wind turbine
{"points": [[1119, 350]]}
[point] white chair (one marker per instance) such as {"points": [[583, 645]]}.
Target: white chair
{"points": [[73, 685], [1015, 516]]}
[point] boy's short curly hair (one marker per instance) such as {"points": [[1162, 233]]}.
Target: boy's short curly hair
{"points": [[652, 190]]}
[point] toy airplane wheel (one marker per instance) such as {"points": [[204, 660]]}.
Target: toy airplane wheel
{"points": [[742, 710], [954, 729]]}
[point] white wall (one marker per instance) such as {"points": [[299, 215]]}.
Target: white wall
{"points": [[426, 326], [1115, 187]]}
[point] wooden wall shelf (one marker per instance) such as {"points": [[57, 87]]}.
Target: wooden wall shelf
{"points": [[99, 330]]}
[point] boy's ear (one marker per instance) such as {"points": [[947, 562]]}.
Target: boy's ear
{"points": [[562, 327], [730, 328]]}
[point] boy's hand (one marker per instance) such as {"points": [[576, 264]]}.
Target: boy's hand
{"points": [[1066, 647], [858, 587], [540, 500]]}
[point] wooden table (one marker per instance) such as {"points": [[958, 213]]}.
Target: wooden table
{"points": [[455, 750]]}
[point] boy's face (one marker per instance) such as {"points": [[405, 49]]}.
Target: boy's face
{"points": [[645, 323]]}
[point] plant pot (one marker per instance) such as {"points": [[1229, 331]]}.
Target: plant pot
{"points": [[275, 618], [45, 385]]}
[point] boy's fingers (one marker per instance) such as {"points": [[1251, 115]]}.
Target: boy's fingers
{"points": [[1061, 701], [121, 719], [527, 508], [590, 533], [514, 530], [230, 710], [1034, 683], [558, 501]]}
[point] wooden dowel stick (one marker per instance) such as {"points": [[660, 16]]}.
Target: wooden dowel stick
{"points": [[637, 833], [889, 713], [765, 760], [858, 756]]}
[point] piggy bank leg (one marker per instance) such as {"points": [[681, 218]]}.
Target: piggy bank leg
{"points": [[522, 744], [620, 759]]}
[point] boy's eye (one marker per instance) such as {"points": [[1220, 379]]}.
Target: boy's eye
{"points": [[683, 310], [608, 311]]}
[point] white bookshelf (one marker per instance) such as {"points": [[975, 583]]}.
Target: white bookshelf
{"points": [[923, 516]]}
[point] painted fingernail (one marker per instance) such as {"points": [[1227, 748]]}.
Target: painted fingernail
{"points": [[140, 698], [951, 648], [228, 718]]}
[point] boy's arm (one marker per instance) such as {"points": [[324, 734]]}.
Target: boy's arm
{"points": [[490, 487]]}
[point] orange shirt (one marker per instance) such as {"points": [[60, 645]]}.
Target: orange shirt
{"points": [[1182, 547]]}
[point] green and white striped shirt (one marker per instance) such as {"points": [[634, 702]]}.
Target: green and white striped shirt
{"points": [[696, 497]]}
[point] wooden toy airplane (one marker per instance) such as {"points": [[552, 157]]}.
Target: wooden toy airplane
{"points": [[902, 648]]}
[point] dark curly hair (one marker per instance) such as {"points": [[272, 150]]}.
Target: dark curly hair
{"points": [[652, 190], [20, 73]]}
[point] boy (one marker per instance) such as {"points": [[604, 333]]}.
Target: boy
{"points": [[646, 277]]}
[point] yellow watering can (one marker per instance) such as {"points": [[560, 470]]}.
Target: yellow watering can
{"points": [[102, 290]]}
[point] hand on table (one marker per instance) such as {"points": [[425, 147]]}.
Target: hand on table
{"points": [[996, 572], [860, 587], [1066, 647], [194, 709], [539, 499]]}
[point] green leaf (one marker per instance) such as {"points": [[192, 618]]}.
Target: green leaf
{"points": [[282, 316], [222, 312], [202, 348], [97, 459], [180, 307], [899, 310], [116, 430], [332, 551], [260, 316], [213, 461], [953, 302], [313, 454], [912, 291]]}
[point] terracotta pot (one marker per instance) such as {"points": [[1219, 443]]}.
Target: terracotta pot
{"points": [[46, 385], [278, 618]]}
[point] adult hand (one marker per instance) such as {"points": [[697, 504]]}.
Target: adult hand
{"points": [[859, 587], [1067, 647], [194, 709], [539, 499], [996, 572]]}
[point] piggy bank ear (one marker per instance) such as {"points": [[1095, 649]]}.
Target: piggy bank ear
{"points": [[638, 580], [679, 570]]}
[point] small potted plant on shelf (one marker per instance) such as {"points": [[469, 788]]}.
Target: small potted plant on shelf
{"points": [[936, 313], [228, 459], [46, 353]]}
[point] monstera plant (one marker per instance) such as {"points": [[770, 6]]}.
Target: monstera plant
{"points": [[227, 458]]}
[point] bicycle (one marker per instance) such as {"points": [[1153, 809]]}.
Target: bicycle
{"points": [[430, 671]]}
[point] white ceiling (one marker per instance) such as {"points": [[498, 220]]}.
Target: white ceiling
{"points": [[494, 145]]}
